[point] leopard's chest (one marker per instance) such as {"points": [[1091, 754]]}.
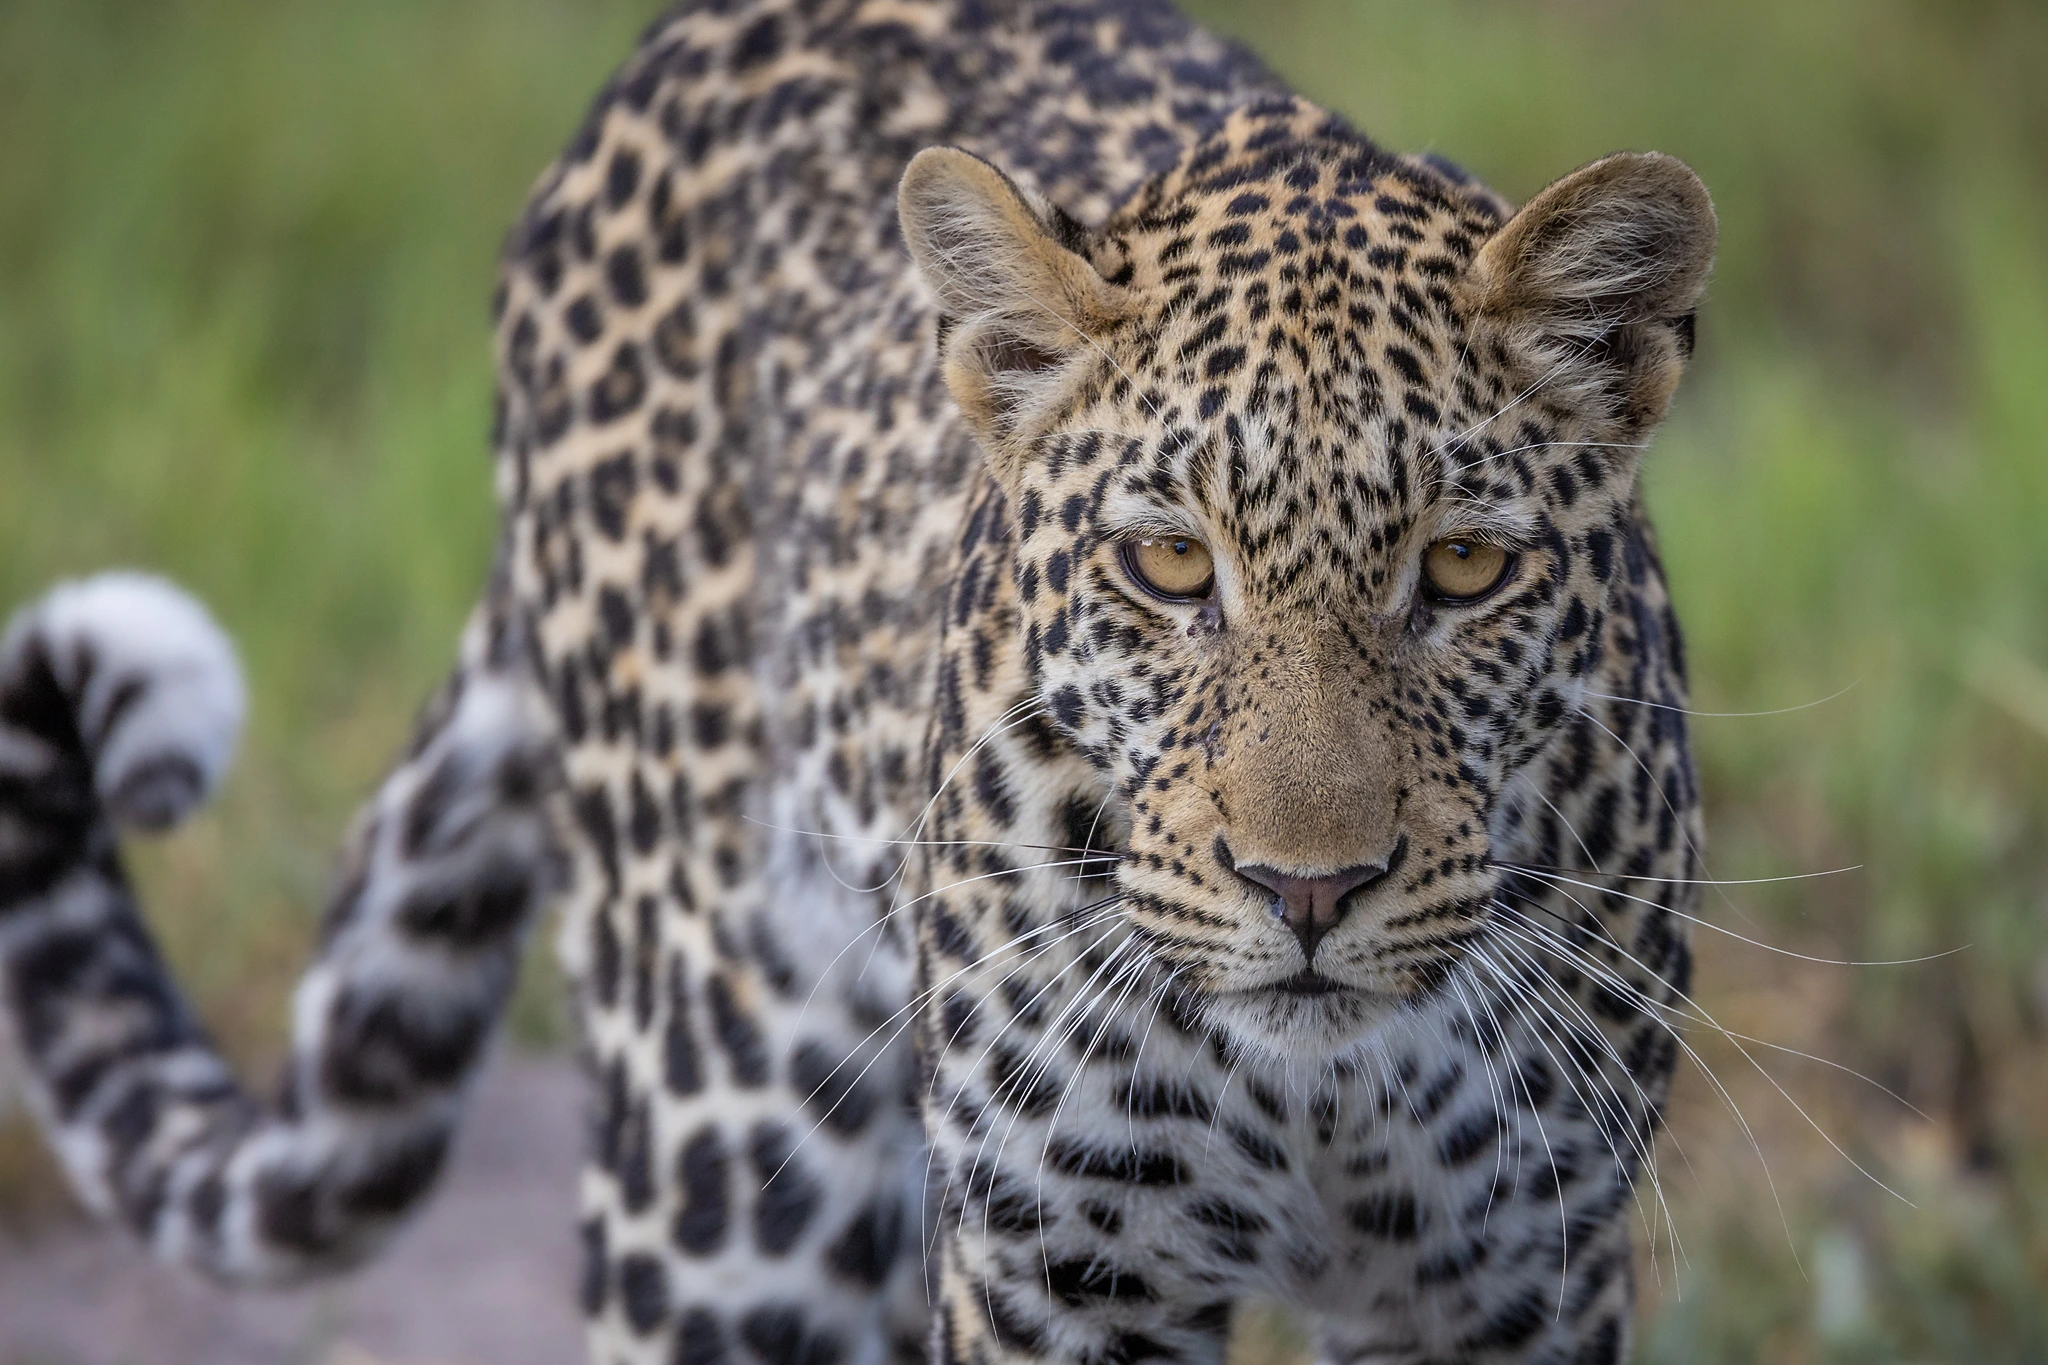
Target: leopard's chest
{"points": [[1420, 1153]]}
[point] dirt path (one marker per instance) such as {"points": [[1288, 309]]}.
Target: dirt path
{"points": [[485, 1277]]}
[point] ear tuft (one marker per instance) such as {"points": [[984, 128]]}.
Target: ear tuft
{"points": [[1600, 273], [1019, 300]]}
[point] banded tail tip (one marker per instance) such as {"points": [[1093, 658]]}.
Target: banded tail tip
{"points": [[155, 686]]}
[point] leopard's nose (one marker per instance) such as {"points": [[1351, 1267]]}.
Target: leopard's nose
{"points": [[1312, 905]]}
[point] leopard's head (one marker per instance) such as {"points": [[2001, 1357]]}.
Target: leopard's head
{"points": [[1318, 461]]}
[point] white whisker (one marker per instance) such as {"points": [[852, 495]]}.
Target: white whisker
{"points": [[1742, 938], [1729, 715]]}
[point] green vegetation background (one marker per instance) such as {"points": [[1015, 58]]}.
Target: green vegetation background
{"points": [[245, 248]]}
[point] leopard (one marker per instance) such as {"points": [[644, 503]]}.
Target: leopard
{"points": [[1076, 651]]}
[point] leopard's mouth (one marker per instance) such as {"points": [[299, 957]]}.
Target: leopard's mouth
{"points": [[1308, 981]]}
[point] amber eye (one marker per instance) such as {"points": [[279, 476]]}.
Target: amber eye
{"points": [[1174, 567], [1460, 570]]}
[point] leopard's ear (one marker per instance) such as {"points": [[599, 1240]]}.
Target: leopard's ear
{"points": [[1019, 300], [1596, 279]]}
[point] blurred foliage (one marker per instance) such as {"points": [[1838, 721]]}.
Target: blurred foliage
{"points": [[245, 248]]}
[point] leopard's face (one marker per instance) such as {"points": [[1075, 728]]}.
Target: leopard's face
{"points": [[1315, 532]]}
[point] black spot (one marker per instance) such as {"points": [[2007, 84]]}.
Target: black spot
{"points": [[1131, 1165], [1259, 1148], [1600, 545], [675, 350], [386, 1049], [700, 1339], [207, 1202], [594, 813], [393, 1180], [128, 1123], [828, 1088], [595, 1279], [1106, 1218], [477, 913], [289, 1213], [1391, 1215], [619, 390], [621, 177], [710, 724], [1235, 1229], [643, 1291], [1222, 361], [1467, 1139], [626, 276], [1008, 1208], [1066, 706], [949, 937], [866, 1252], [428, 808], [777, 1334], [1091, 1279], [702, 1171], [1154, 1097], [761, 42], [547, 271], [1448, 1267], [612, 485], [1574, 623], [957, 1018], [992, 789], [644, 821], [1566, 487], [1511, 1325], [1057, 566], [607, 960], [789, 1196], [661, 577], [636, 1158], [1023, 1083], [615, 613], [585, 319], [300, 1211]]}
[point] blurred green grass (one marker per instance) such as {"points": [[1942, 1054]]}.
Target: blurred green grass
{"points": [[245, 250]]}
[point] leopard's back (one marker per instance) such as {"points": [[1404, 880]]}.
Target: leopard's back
{"points": [[734, 484]]}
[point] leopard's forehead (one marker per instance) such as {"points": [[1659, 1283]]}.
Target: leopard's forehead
{"points": [[1301, 364]]}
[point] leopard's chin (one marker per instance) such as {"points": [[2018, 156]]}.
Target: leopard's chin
{"points": [[1304, 1015]]}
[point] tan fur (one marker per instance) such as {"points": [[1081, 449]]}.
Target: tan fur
{"points": [[1306, 773], [1591, 275], [1023, 305]]}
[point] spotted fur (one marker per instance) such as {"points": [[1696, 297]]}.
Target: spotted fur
{"points": [[933, 990]]}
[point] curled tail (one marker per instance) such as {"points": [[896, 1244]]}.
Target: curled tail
{"points": [[120, 701]]}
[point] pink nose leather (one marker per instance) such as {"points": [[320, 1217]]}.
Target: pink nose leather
{"points": [[1311, 906]]}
